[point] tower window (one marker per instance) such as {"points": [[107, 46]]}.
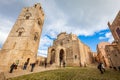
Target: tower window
{"points": [[20, 31], [27, 10], [40, 7], [39, 22], [35, 5], [36, 36], [19, 34], [27, 17], [75, 56]]}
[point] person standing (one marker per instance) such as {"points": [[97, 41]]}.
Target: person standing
{"points": [[100, 67], [64, 63], [25, 65], [16, 64], [12, 67], [103, 67], [32, 66]]}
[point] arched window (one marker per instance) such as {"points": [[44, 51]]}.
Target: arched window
{"points": [[75, 56], [20, 31], [27, 15], [36, 36], [39, 21], [35, 5]]}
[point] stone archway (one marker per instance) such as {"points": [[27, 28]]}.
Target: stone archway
{"points": [[61, 56], [52, 60]]}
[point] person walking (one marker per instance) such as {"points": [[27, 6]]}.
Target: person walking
{"points": [[12, 68], [25, 65], [32, 66], [16, 64], [45, 62], [100, 67], [64, 63], [103, 67]]}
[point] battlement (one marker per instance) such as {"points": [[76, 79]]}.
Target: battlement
{"points": [[32, 13]]}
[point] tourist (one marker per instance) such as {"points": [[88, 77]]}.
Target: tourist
{"points": [[12, 67], [32, 66], [103, 67], [114, 68], [25, 65], [119, 68], [50, 62], [100, 67], [64, 63], [16, 64], [37, 62], [45, 63]]}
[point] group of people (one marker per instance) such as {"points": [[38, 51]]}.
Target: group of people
{"points": [[31, 64], [25, 65], [14, 66]]}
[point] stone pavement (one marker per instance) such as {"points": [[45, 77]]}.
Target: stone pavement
{"points": [[20, 72]]}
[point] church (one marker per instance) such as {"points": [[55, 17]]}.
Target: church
{"points": [[68, 49]]}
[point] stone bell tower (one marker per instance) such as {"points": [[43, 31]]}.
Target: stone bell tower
{"points": [[23, 40]]}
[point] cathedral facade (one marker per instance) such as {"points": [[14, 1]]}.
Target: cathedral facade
{"points": [[68, 49]]}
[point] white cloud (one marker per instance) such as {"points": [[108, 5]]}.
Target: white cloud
{"points": [[43, 46], [102, 38], [87, 18], [5, 26], [42, 53], [109, 36], [81, 17], [45, 42]]}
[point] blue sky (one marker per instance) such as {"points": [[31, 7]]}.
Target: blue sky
{"points": [[95, 39], [86, 18]]}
